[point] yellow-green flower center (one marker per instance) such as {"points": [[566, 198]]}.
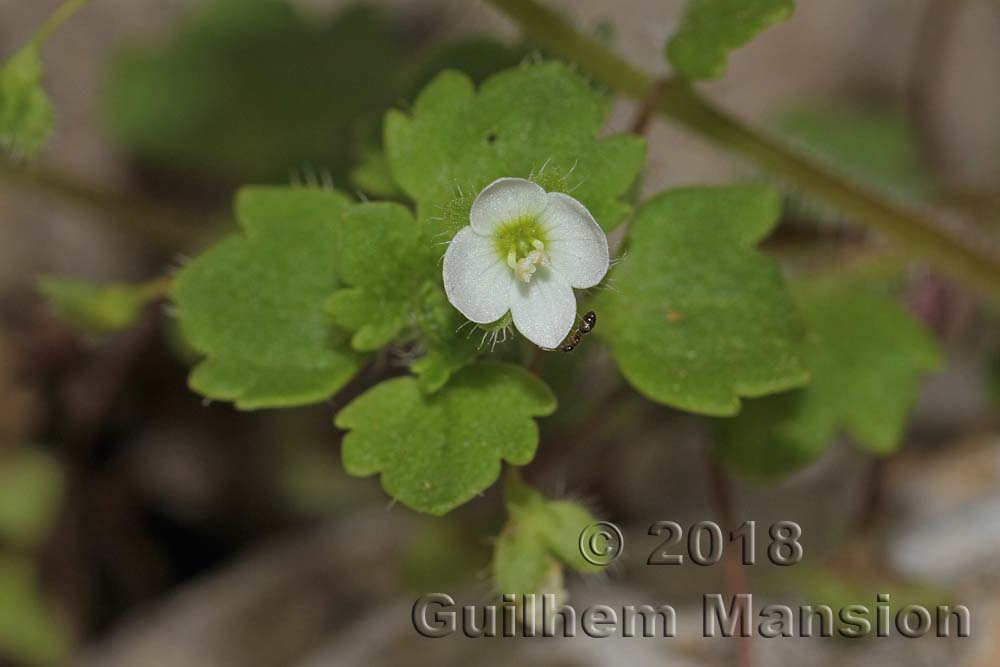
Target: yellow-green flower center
{"points": [[521, 244]]}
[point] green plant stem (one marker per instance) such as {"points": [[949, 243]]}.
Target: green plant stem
{"points": [[958, 250], [151, 222], [58, 17]]}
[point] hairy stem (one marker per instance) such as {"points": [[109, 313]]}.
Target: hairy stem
{"points": [[958, 250]]}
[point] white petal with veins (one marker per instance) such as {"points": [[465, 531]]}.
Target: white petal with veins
{"points": [[476, 280], [577, 246], [504, 200], [544, 309]]}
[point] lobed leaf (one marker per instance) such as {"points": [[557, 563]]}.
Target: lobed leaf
{"points": [[253, 304], [867, 356], [437, 451], [541, 118], [383, 261], [711, 29], [698, 318]]}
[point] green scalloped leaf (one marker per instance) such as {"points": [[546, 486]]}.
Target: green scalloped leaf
{"points": [[25, 109], [383, 261], [541, 118], [477, 57], [696, 317], [254, 303], [711, 29], [437, 451], [867, 356]]}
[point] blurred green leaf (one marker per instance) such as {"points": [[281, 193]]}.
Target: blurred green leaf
{"points": [[876, 147], [437, 451], [383, 260], [250, 90], [30, 631], [25, 110], [98, 308], [253, 303], [539, 534], [711, 29], [521, 122], [31, 491], [867, 357], [697, 318]]}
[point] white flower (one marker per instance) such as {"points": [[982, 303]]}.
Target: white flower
{"points": [[524, 251]]}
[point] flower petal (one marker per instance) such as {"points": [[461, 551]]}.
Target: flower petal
{"points": [[476, 280], [576, 245], [544, 309], [503, 200]]}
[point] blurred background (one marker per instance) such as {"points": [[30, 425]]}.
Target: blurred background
{"points": [[142, 527]]}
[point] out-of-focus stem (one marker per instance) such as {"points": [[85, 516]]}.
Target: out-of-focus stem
{"points": [[736, 579], [58, 17]]}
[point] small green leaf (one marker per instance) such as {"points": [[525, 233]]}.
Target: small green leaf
{"points": [[538, 119], [874, 146], [253, 304], [98, 308], [383, 259], [30, 630], [442, 360], [25, 110], [711, 29], [697, 317], [867, 356], [478, 57], [539, 534], [451, 341], [31, 490], [437, 451]]}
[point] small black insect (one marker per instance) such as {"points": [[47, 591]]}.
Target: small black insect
{"points": [[586, 326]]}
